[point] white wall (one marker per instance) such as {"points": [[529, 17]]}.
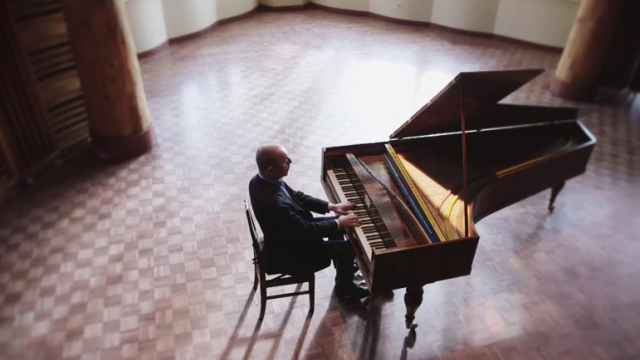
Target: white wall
{"points": [[358, 5], [415, 10], [183, 17], [546, 22], [473, 15], [146, 20], [231, 8], [153, 22]]}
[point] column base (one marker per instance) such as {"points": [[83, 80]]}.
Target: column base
{"points": [[569, 91], [108, 147]]}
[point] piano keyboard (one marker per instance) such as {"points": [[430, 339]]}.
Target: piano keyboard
{"points": [[348, 188]]}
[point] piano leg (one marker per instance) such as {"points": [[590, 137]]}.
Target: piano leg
{"points": [[412, 300], [554, 193]]}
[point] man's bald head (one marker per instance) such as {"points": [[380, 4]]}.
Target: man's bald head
{"points": [[273, 161]]}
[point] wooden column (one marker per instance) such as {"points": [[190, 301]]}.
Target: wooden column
{"points": [[580, 67], [119, 119], [623, 55]]}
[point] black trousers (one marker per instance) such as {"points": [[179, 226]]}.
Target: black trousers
{"points": [[342, 255]]}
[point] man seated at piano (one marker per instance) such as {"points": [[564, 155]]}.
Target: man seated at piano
{"points": [[293, 237]]}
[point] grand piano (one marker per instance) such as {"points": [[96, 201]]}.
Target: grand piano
{"points": [[461, 157]]}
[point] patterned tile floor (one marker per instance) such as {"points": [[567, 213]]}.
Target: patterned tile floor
{"points": [[150, 258]]}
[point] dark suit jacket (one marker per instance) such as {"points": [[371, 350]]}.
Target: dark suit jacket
{"points": [[293, 238]]}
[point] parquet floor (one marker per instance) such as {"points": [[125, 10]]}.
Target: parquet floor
{"points": [[150, 258]]}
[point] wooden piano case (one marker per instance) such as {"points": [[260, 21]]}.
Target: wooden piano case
{"points": [[489, 155]]}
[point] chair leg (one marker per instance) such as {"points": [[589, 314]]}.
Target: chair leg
{"points": [[255, 277], [312, 293], [263, 300]]}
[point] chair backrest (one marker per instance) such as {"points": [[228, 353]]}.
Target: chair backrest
{"points": [[257, 253]]}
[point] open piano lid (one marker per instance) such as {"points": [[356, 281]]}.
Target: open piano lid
{"points": [[481, 93]]}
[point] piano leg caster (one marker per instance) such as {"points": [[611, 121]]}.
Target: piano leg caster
{"points": [[554, 193], [412, 300]]}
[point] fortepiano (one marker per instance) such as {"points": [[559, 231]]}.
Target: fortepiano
{"points": [[461, 157]]}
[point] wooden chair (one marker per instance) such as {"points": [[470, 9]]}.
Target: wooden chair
{"points": [[260, 273]]}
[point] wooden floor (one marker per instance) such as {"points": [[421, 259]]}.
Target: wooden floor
{"points": [[151, 258]]}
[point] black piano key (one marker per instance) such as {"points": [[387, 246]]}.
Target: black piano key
{"points": [[372, 224]]}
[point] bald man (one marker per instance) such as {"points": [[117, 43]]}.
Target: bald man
{"points": [[293, 238]]}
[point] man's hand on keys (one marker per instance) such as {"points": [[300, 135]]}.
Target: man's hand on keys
{"points": [[346, 221]]}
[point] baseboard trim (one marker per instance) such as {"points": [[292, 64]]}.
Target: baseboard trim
{"points": [[495, 36], [193, 35], [214, 26], [528, 43], [239, 17], [262, 7], [400, 21], [196, 34], [339, 11], [462, 31], [154, 50]]}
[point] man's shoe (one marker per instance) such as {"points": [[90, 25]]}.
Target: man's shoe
{"points": [[352, 292]]}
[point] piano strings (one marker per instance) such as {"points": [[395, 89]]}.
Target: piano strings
{"points": [[409, 219], [405, 183]]}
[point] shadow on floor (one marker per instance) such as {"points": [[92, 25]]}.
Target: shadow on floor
{"points": [[249, 342]]}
